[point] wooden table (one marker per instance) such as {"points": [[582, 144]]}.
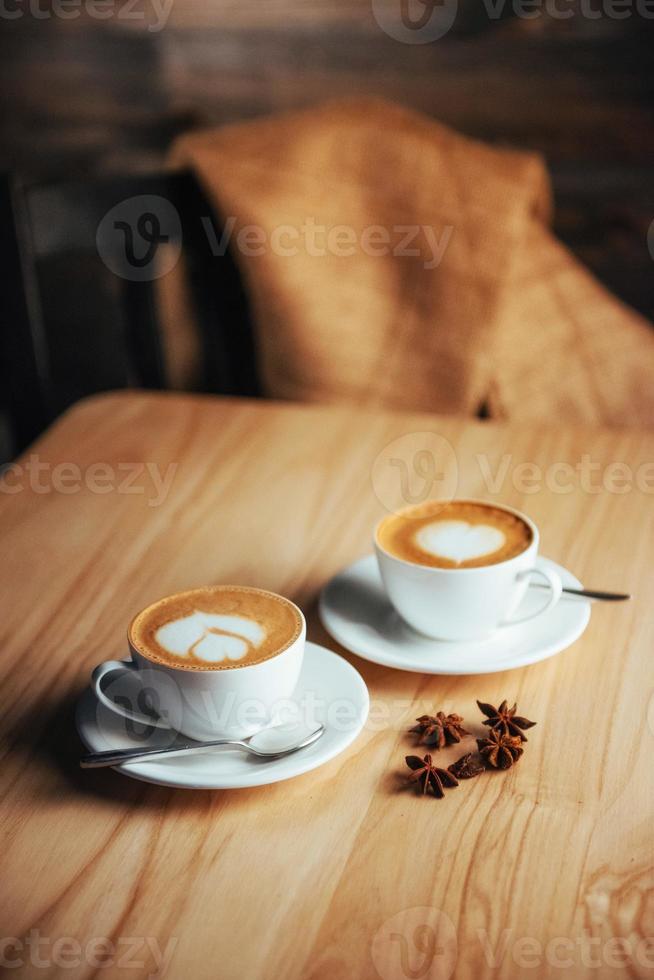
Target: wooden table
{"points": [[517, 874]]}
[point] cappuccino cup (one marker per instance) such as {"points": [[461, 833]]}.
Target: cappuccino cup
{"points": [[458, 570], [209, 663]]}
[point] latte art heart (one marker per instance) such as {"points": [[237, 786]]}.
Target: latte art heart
{"points": [[210, 637], [459, 541], [219, 627], [454, 534]]}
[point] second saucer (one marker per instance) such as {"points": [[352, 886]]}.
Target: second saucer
{"points": [[354, 609]]}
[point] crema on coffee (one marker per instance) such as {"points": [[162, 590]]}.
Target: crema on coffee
{"points": [[458, 534], [215, 628]]}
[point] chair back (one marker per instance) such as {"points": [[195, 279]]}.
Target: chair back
{"points": [[79, 277]]}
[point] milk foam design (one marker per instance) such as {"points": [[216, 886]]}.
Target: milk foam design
{"points": [[211, 637], [459, 541]]}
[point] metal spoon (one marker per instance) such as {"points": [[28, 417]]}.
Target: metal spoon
{"points": [[587, 593], [98, 760]]}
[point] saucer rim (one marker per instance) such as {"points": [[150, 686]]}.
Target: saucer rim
{"points": [[540, 653], [141, 770]]}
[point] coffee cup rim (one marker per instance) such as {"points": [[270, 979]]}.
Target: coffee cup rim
{"points": [[134, 649], [460, 571]]}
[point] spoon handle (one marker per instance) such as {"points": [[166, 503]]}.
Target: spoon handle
{"points": [[602, 596], [590, 593], [98, 760]]}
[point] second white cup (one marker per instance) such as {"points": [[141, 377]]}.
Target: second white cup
{"points": [[465, 603]]}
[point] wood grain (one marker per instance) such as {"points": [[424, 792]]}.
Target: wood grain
{"points": [[297, 879]]}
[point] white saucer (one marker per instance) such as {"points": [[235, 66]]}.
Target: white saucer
{"points": [[355, 610], [330, 691]]}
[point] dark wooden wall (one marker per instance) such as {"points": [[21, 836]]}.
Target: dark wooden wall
{"points": [[88, 96]]}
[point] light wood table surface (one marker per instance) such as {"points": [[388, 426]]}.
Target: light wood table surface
{"points": [[543, 871]]}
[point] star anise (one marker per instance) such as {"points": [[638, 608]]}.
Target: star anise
{"points": [[500, 750], [504, 719], [439, 730], [430, 777], [466, 767]]}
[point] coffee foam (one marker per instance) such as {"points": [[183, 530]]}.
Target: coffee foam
{"points": [[459, 541], [458, 534], [215, 628], [210, 637]]}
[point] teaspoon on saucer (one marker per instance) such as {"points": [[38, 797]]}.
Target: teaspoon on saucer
{"points": [[274, 750], [588, 593]]}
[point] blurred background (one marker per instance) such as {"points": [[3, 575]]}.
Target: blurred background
{"points": [[87, 96], [96, 87]]}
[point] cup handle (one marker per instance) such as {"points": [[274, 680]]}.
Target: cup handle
{"points": [[556, 587], [97, 677]]}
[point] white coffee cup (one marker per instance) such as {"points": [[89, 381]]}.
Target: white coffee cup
{"points": [[204, 704], [465, 603]]}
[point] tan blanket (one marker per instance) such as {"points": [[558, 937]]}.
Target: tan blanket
{"points": [[391, 261]]}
